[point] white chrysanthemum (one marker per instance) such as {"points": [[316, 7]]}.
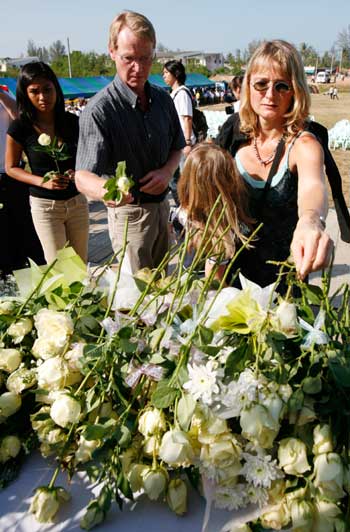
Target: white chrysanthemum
{"points": [[240, 394], [228, 498], [256, 495], [260, 470], [203, 381]]}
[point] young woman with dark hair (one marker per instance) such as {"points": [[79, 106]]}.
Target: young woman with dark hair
{"points": [[59, 211]]}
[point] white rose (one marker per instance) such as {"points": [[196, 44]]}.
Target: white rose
{"points": [[46, 503], [276, 517], [9, 404], [9, 448], [151, 422], [329, 475], [302, 513], [150, 445], [274, 405], [177, 496], [10, 359], [327, 514], [19, 329], [176, 448], [123, 184], [322, 440], [85, 449], [292, 456], [223, 448], [6, 308], [20, 380], [44, 140], [155, 482], [74, 355], [53, 374], [65, 410], [286, 314], [259, 426], [135, 476], [53, 325], [45, 348]]}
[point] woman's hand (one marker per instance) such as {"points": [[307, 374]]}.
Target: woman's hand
{"points": [[311, 246], [126, 199], [57, 182]]}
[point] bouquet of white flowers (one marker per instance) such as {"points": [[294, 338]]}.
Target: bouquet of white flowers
{"points": [[242, 393]]}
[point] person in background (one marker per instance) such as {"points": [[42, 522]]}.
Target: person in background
{"points": [[274, 109], [133, 121], [18, 240], [174, 76], [60, 214], [236, 87]]}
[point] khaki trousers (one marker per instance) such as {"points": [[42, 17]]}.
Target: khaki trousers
{"points": [[148, 232], [60, 221]]}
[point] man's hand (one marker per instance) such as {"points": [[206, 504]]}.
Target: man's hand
{"points": [[155, 182], [127, 198]]}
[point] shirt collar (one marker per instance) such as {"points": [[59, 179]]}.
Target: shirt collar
{"points": [[129, 95]]}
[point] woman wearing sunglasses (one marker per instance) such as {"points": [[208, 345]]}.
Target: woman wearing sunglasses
{"points": [[290, 199]]}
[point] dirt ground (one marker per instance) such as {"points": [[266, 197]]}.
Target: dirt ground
{"points": [[328, 112]]}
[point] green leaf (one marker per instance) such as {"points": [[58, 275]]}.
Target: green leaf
{"points": [[314, 294], [312, 385], [205, 335], [185, 409], [99, 431], [164, 395], [341, 372]]}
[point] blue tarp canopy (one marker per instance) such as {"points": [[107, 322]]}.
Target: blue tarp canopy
{"points": [[87, 87]]}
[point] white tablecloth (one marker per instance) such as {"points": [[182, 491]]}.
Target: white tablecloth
{"points": [[143, 515]]}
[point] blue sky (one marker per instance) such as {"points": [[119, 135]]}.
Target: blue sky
{"points": [[217, 26]]}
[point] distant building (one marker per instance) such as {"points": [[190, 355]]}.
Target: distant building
{"points": [[210, 60], [8, 62]]}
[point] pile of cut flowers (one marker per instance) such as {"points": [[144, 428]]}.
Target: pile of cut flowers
{"points": [[150, 384]]}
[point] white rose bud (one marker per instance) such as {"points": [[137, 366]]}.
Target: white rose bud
{"points": [[85, 449], [9, 404], [302, 513], [53, 374], [19, 329], [54, 326], [151, 422], [276, 517], [292, 456], [322, 440], [135, 476], [9, 448], [259, 426], [46, 503], [150, 445], [123, 184], [44, 140], [329, 476], [45, 348], [20, 380], [176, 448], [10, 359], [155, 482], [286, 314], [65, 410], [6, 308], [177, 496], [93, 517]]}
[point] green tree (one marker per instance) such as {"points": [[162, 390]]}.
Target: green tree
{"points": [[37, 51], [57, 51], [308, 54]]}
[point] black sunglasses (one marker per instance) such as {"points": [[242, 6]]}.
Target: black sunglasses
{"points": [[279, 86]]}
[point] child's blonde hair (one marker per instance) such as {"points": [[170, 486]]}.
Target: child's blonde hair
{"points": [[210, 171]]}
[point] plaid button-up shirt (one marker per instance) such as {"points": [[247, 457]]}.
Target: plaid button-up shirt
{"points": [[113, 128]]}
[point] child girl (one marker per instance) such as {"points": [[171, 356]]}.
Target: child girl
{"points": [[210, 172], [59, 211]]}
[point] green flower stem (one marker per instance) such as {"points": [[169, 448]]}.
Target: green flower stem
{"points": [[123, 251], [57, 470]]}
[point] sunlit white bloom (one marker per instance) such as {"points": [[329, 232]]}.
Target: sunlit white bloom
{"points": [[228, 498], [203, 382], [124, 184], [54, 326], [315, 334], [263, 296], [240, 394], [260, 470], [219, 307], [44, 139], [257, 495]]}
